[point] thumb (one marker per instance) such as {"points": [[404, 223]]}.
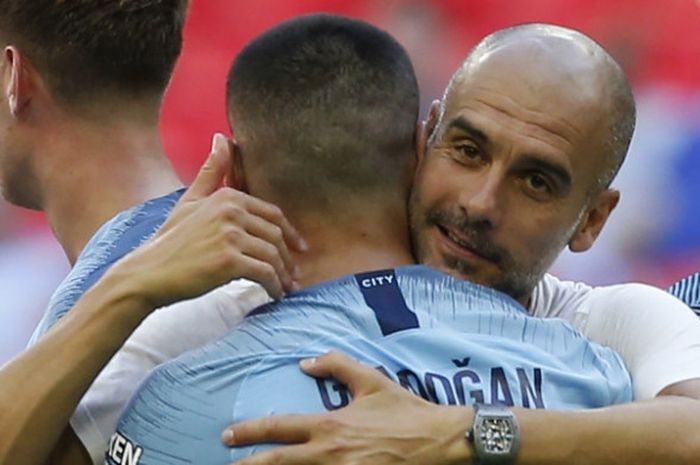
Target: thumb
{"points": [[213, 172], [360, 379]]}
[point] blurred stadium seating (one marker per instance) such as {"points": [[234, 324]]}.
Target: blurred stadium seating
{"points": [[653, 237]]}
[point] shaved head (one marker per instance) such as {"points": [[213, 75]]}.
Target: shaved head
{"points": [[325, 104], [562, 63], [531, 131]]}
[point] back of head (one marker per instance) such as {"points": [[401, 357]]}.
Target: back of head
{"points": [[324, 109], [94, 50]]}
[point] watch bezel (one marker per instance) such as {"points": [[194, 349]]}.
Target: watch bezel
{"points": [[494, 416]]}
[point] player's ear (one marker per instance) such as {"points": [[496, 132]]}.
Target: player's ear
{"points": [[16, 80], [592, 222], [426, 129], [236, 178]]}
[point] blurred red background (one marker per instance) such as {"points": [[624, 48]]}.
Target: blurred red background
{"points": [[655, 235]]}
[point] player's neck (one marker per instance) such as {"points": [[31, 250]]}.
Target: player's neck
{"points": [[89, 173], [352, 246]]}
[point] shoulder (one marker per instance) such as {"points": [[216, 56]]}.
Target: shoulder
{"points": [[635, 302], [114, 239], [601, 312], [553, 297], [655, 333], [128, 229], [224, 306]]}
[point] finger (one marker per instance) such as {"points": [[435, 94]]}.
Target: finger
{"points": [[274, 215], [272, 234], [262, 273], [360, 379], [286, 455], [285, 429], [263, 251], [212, 173]]}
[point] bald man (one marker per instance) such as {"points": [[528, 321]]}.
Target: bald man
{"points": [[516, 164], [521, 152]]}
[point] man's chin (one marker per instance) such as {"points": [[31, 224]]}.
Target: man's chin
{"points": [[482, 277], [463, 272]]}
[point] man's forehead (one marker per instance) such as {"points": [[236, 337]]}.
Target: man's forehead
{"points": [[539, 93], [519, 106], [533, 80], [539, 119], [552, 50]]}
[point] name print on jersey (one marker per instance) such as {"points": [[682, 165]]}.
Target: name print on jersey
{"points": [[122, 451], [464, 387]]}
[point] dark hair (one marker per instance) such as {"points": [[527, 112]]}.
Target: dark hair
{"points": [[91, 48], [328, 105]]}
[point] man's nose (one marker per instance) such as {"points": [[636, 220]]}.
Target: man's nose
{"points": [[482, 202]]}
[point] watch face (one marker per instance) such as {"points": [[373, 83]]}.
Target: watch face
{"points": [[496, 435]]}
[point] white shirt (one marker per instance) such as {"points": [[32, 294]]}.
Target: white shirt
{"points": [[657, 336]]}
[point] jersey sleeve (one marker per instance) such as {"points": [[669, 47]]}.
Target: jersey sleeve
{"points": [[656, 335], [113, 240], [163, 336], [688, 290]]}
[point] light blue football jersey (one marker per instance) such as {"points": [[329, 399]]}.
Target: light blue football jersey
{"points": [[447, 340], [688, 290], [112, 241]]}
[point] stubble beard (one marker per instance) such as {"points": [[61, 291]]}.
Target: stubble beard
{"points": [[514, 280]]}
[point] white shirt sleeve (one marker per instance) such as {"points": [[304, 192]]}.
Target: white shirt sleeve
{"points": [[164, 335], [556, 298], [657, 336]]}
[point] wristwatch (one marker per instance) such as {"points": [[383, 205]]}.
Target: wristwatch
{"points": [[495, 435]]}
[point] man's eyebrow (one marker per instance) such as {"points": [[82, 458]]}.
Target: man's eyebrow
{"points": [[464, 125], [540, 163]]}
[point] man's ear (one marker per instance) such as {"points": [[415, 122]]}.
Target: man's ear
{"points": [[16, 81], [236, 178], [426, 129], [593, 220]]}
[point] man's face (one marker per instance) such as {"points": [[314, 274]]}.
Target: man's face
{"points": [[507, 180]]}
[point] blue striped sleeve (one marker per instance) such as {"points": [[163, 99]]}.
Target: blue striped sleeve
{"points": [[688, 290]]}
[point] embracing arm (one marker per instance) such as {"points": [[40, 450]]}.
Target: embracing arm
{"points": [[197, 249], [385, 424], [659, 430], [41, 387], [658, 338]]}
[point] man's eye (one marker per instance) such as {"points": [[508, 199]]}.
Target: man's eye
{"points": [[537, 183], [469, 151]]}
